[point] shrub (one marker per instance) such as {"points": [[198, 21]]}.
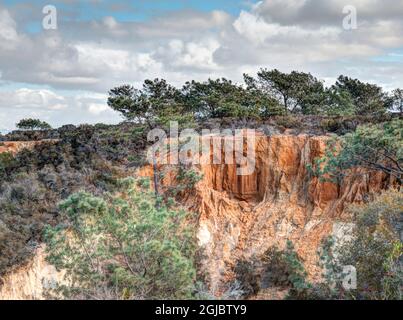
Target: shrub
{"points": [[288, 121], [331, 125], [6, 161], [248, 277], [374, 147], [274, 268], [376, 248], [123, 246]]}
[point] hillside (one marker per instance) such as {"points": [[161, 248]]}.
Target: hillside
{"points": [[239, 218]]}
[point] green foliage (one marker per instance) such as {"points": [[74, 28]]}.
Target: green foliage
{"points": [[376, 247], [339, 102], [222, 98], [272, 93], [289, 121], [33, 124], [368, 99], [296, 91], [248, 277], [186, 179], [296, 272], [375, 147], [397, 100], [274, 268], [375, 250], [128, 101], [6, 161], [156, 103], [211, 99], [393, 279], [35, 180], [20, 201], [331, 124], [123, 246]]}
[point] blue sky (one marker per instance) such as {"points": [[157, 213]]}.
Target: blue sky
{"points": [[63, 75], [124, 11]]}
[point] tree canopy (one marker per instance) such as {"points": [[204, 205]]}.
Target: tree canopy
{"points": [[368, 99], [397, 97], [296, 91], [271, 93], [32, 124], [152, 104], [223, 98]]}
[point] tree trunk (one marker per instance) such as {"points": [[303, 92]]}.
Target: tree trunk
{"points": [[155, 174], [285, 104]]}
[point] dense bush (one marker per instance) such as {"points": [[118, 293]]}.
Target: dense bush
{"points": [[376, 249], [6, 161], [35, 180], [275, 268], [123, 246], [374, 147]]}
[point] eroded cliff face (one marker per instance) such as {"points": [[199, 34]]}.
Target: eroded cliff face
{"points": [[243, 216], [16, 146], [31, 281]]}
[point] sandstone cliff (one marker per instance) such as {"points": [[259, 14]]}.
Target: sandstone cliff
{"points": [[243, 216], [30, 282], [16, 146]]}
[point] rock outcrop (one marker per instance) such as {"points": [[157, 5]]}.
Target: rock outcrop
{"points": [[243, 216], [16, 146], [30, 282]]}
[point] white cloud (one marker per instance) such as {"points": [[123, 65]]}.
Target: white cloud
{"points": [[319, 12], [30, 98], [97, 108], [95, 56], [258, 31], [193, 54], [8, 32], [110, 22], [55, 108]]}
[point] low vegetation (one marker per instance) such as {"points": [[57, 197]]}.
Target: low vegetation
{"points": [[117, 239], [375, 251], [374, 147], [123, 246]]}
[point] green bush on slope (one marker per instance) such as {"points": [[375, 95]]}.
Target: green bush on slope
{"points": [[123, 246]]}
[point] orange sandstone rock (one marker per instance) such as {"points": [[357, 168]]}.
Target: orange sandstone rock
{"points": [[16, 146], [243, 216]]}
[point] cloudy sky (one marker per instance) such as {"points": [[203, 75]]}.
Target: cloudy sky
{"points": [[63, 76]]}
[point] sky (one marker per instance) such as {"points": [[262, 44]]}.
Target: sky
{"points": [[63, 75]]}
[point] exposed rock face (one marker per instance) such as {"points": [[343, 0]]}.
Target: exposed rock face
{"points": [[30, 282], [16, 146], [27, 282], [243, 216]]}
